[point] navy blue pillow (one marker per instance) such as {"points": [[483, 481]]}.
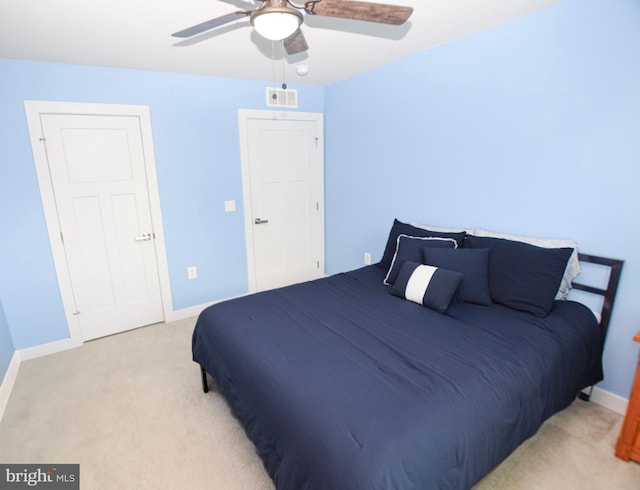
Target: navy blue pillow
{"points": [[522, 276], [410, 248], [426, 285], [400, 228], [474, 265]]}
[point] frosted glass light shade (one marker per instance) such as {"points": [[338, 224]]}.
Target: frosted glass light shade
{"points": [[276, 25]]}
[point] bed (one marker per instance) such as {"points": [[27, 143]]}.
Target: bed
{"points": [[357, 381]]}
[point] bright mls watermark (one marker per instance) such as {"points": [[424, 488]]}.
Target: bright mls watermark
{"points": [[40, 476]]}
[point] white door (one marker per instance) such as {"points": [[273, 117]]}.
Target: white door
{"points": [[97, 171], [284, 207]]}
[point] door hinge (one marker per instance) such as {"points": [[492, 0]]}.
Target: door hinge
{"points": [[44, 143], [317, 141], [318, 264], [317, 206], [62, 238]]}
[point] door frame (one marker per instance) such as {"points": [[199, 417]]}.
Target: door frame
{"points": [[244, 115], [33, 110]]}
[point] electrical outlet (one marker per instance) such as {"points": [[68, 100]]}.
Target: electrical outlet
{"points": [[192, 272], [367, 258]]}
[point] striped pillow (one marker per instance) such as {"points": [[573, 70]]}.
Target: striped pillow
{"points": [[429, 286]]}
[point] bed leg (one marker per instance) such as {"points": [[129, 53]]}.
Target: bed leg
{"points": [[586, 396], [205, 385]]}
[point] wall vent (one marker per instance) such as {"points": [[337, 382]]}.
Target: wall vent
{"points": [[277, 97]]}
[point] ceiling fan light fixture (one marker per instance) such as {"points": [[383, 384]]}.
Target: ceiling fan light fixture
{"points": [[276, 23]]}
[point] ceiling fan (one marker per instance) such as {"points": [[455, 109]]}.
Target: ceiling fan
{"points": [[281, 19]]}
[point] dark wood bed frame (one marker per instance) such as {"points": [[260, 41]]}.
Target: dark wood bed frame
{"points": [[608, 293]]}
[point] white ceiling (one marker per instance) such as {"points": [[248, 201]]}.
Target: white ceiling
{"points": [[137, 34]]}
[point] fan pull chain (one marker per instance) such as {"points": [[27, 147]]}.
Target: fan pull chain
{"points": [[284, 85], [273, 68], [273, 62]]}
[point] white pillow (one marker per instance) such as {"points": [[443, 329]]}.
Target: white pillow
{"points": [[440, 228], [573, 265]]}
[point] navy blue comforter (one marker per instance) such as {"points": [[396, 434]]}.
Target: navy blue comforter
{"points": [[341, 385]]}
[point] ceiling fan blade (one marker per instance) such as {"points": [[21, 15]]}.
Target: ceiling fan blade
{"points": [[296, 43], [367, 11], [211, 24]]}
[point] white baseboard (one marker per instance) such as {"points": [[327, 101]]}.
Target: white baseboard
{"points": [[9, 380], [609, 400], [48, 348], [69, 343]]}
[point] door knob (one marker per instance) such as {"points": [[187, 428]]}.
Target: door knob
{"points": [[259, 221], [143, 238]]}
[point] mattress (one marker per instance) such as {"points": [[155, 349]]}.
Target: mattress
{"points": [[341, 385]]}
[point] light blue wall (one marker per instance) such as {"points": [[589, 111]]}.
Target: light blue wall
{"points": [[6, 344], [195, 130], [531, 127]]}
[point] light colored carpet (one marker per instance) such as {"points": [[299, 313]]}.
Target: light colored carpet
{"points": [[129, 409]]}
